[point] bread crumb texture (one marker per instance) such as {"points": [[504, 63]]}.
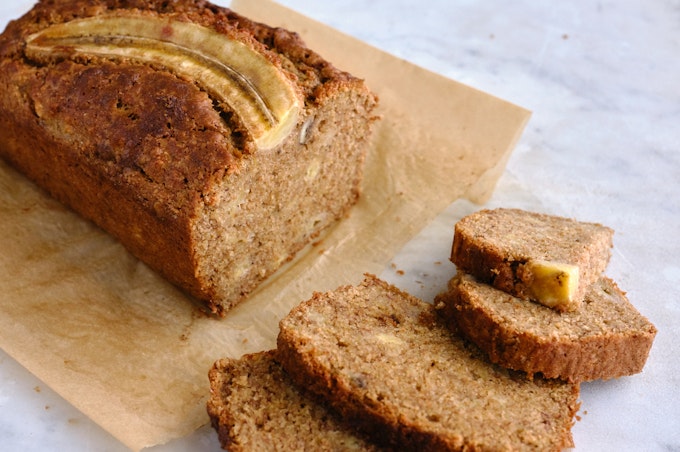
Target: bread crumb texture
{"points": [[255, 407], [382, 358], [605, 338], [502, 247]]}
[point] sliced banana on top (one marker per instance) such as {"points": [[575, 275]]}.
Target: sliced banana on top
{"points": [[231, 72], [554, 284]]}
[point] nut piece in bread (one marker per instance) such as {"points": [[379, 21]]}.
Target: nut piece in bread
{"points": [[214, 148], [605, 338], [253, 406], [548, 259], [382, 357]]}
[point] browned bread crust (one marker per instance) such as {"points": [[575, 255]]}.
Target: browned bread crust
{"points": [[495, 246], [151, 158], [605, 338], [254, 406], [381, 357]]}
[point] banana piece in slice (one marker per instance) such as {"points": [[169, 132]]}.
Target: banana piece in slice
{"points": [[232, 73], [553, 284]]}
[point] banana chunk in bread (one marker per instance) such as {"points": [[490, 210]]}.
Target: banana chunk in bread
{"points": [[544, 258], [254, 406], [212, 147], [605, 338], [383, 358]]}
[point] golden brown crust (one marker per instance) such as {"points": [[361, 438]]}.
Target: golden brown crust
{"points": [[606, 338], [106, 188], [148, 157], [494, 246], [381, 357], [119, 87]]}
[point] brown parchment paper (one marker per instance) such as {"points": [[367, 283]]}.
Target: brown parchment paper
{"points": [[131, 352]]}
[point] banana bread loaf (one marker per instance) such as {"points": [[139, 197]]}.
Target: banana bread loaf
{"points": [[214, 148], [605, 338], [545, 258], [254, 406], [382, 358]]}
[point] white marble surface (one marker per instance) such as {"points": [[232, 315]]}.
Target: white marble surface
{"points": [[602, 145]]}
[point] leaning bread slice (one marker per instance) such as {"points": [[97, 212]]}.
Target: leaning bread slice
{"points": [[254, 407], [381, 357], [606, 338], [545, 258]]}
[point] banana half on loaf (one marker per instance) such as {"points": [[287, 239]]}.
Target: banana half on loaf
{"points": [[213, 147]]}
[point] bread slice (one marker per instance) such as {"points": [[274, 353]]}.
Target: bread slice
{"points": [[214, 148], [253, 406], [534, 256], [382, 357], [605, 338]]}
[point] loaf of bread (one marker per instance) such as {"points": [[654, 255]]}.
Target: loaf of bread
{"points": [[254, 406], [214, 148], [605, 338], [545, 258], [383, 359]]}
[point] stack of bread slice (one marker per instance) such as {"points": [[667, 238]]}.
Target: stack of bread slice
{"points": [[531, 293], [370, 367]]}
